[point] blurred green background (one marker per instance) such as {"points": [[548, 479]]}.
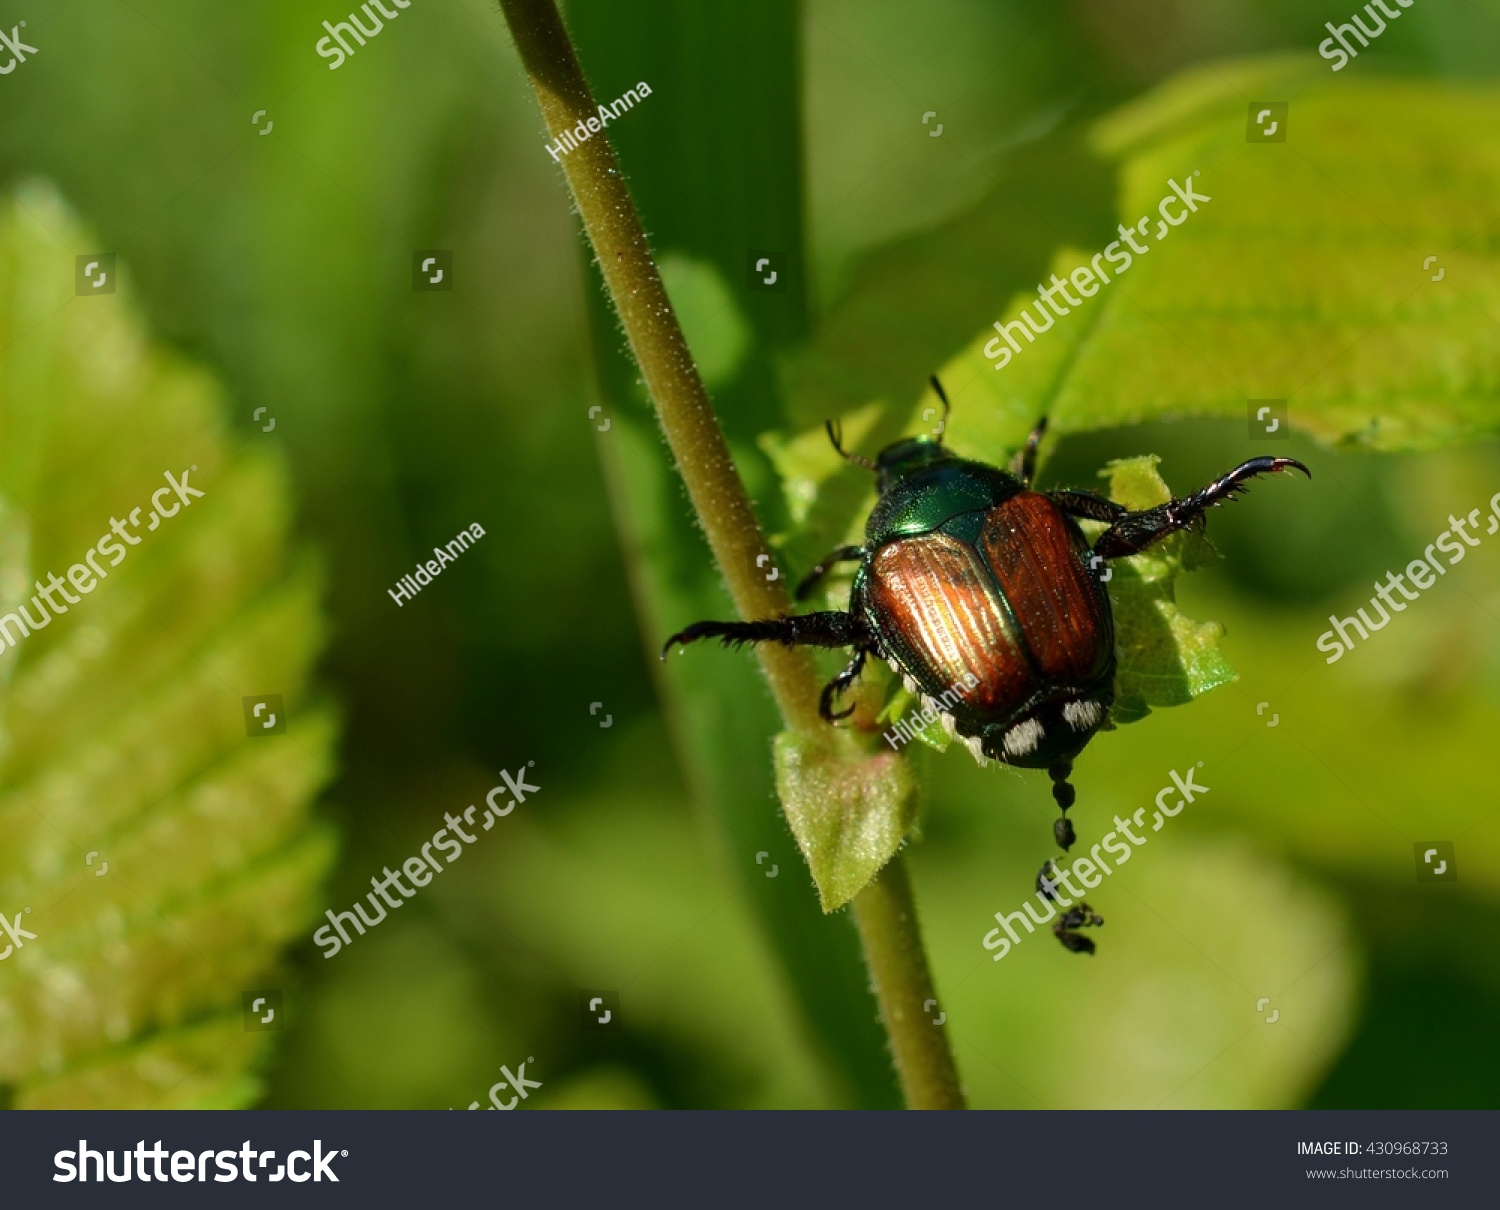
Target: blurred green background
{"points": [[283, 264]]}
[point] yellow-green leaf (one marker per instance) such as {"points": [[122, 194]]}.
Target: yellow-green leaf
{"points": [[904, 704], [1349, 270], [162, 857], [1165, 658], [849, 811]]}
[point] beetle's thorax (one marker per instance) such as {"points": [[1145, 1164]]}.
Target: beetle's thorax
{"points": [[921, 486], [905, 456]]}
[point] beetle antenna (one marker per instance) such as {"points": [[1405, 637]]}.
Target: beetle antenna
{"points": [[947, 407], [836, 435]]}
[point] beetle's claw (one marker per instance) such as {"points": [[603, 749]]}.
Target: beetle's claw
{"points": [[1077, 917], [1238, 479], [1081, 916], [830, 715], [700, 630], [1076, 942]]}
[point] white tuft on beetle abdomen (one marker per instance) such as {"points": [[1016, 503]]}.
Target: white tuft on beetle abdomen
{"points": [[1022, 738], [1083, 715]]}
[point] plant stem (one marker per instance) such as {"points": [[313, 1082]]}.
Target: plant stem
{"points": [[884, 911], [682, 404], [886, 915]]}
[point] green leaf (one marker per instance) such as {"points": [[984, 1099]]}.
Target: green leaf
{"points": [[124, 724], [849, 811], [1165, 658], [1306, 277], [912, 303], [904, 704]]}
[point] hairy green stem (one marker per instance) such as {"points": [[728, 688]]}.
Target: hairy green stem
{"points": [[884, 911], [682, 405], [886, 914]]}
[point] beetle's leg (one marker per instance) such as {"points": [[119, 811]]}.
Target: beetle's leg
{"points": [[1063, 792], [1077, 917], [847, 677], [1080, 915], [806, 630], [844, 554], [1023, 465], [1087, 505], [1131, 533], [1092, 508]]}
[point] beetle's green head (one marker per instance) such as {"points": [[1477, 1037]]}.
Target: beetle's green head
{"points": [[901, 458]]}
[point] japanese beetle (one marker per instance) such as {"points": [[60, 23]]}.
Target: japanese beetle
{"points": [[967, 575]]}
